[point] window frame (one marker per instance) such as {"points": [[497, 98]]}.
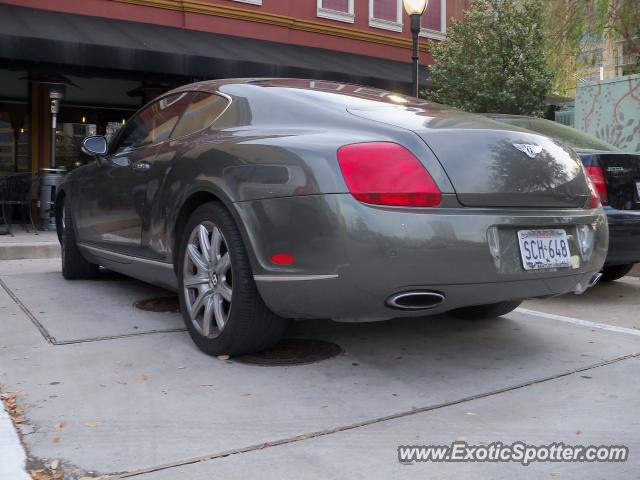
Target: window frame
{"points": [[251, 2], [206, 127], [117, 138], [337, 15], [435, 34], [387, 24]]}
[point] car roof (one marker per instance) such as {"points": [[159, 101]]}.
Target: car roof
{"points": [[327, 86]]}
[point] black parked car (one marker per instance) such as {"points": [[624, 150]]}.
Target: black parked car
{"points": [[616, 176]]}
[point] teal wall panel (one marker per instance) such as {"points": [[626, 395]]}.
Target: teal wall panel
{"points": [[610, 110]]}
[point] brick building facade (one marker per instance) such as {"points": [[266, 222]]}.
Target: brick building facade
{"points": [[112, 56]]}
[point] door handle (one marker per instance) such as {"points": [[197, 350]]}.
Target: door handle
{"points": [[141, 166]]}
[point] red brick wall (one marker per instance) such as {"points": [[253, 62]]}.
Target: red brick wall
{"points": [[286, 21]]}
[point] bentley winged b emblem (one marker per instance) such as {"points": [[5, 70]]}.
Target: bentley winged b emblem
{"points": [[530, 150]]}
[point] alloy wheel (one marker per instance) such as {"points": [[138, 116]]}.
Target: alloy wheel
{"points": [[207, 279]]}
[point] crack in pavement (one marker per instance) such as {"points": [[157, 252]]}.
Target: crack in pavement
{"points": [[52, 340], [43, 331], [373, 421]]}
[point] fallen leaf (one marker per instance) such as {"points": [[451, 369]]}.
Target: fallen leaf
{"points": [[578, 432], [324, 406], [19, 419], [165, 391], [55, 439], [77, 446], [122, 382], [60, 425], [554, 474], [143, 377], [223, 357], [102, 385], [55, 464], [93, 424], [245, 394]]}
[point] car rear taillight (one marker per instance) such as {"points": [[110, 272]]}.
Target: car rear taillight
{"points": [[384, 173], [596, 175], [594, 197]]}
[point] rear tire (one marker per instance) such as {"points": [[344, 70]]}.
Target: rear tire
{"points": [[615, 272], [478, 312], [220, 303], [74, 265]]}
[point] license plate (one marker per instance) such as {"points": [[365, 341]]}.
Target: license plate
{"points": [[638, 188], [542, 249]]}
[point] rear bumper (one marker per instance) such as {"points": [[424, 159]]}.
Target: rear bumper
{"points": [[339, 298], [624, 237], [350, 257]]}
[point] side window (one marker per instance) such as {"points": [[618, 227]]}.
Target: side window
{"points": [[155, 123], [201, 113]]}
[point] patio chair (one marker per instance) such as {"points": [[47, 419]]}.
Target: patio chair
{"points": [[16, 191]]}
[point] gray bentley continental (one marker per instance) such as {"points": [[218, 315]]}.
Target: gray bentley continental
{"points": [[263, 200]]}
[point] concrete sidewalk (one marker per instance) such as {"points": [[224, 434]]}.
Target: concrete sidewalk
{"points": [[109, 389]]}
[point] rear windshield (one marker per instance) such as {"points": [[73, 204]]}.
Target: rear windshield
{"points": [[570, 136]]}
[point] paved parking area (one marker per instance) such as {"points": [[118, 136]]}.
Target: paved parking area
{"points": [[109, 389]]}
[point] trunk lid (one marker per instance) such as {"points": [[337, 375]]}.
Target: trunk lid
{"points": [[622, 176], [484, 158]]}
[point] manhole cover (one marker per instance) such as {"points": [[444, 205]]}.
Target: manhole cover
{"points": [[292, 351], [159, 304]]}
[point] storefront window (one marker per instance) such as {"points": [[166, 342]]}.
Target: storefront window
{"points": [[75, 123], [69, 138], [14, 139]]}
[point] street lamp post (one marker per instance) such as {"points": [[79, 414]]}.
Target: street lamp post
{"points": [[415, 9]]}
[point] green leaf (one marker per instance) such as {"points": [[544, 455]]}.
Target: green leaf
{"points": [[494, 59]]}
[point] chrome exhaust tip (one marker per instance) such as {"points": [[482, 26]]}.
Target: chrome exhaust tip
{"points": [[581, 288], [595, 279], [415, 300]]}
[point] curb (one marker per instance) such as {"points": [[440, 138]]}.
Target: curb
{"points": [[11, 450], [23, 252]]}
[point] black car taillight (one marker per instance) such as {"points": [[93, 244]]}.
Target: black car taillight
{"points": [[596, 175]]}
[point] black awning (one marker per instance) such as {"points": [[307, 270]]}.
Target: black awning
{"points": [[33, 35]]}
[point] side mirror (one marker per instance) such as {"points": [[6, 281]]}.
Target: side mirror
{"points": [[95, 145]]}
